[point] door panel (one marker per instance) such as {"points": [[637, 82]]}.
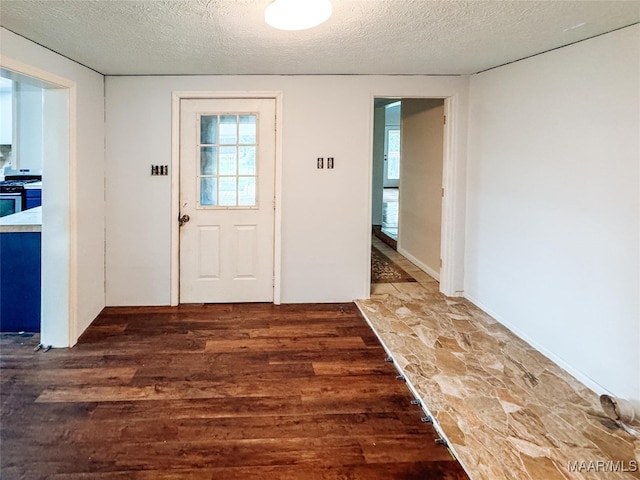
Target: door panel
{"points": [[227, 162], [209, 251], [247, 246]]}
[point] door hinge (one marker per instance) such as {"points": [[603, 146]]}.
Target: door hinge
{"points": [[440, 263], [444, 119], [443, 192]]}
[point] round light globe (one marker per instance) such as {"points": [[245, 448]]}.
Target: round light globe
{"points": [[297, 14]]}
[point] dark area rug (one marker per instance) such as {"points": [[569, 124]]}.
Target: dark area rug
{"points": [[384, 270]]}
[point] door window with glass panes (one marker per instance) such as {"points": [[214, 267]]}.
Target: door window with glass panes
{"points": [[227, 177]]}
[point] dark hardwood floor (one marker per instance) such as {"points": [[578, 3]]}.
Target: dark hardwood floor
{"points": [[251, 391]]}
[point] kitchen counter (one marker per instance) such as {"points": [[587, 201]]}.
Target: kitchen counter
{"points": [[20, 271], [25, 221], [33, 186]]}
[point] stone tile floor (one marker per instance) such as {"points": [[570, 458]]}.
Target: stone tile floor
{"points": [[506, 410]]}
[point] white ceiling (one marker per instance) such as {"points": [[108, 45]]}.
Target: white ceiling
{"points": [[137, 37]]}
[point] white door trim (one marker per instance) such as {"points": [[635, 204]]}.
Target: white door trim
{"points": [[67, 311], [177, 96], [453, 201], [453, 205]]}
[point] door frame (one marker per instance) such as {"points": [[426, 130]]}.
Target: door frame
{"points": [[176, 98], [59, 296], [453, 200]]}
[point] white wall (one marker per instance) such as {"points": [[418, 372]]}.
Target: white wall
{"points": [[420, 210], [29, 112], [88, 191], [326, 216], [553, 205], [6, 112]]}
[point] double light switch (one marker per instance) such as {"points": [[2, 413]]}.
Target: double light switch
{"points": [[320, 162]]}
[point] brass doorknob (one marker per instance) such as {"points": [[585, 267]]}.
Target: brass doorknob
{"points": [[183, 219]]}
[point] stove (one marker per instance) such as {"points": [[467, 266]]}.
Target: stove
{"points": [[12, 192], [9, 186]]}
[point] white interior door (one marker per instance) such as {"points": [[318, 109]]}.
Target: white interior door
{"points": [[391, 156], [227, 163]]}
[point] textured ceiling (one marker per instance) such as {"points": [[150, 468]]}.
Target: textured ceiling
{"points": [[123, 37]]}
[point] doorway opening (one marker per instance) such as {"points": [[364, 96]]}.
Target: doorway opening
{"points": [[388, 231], [407, 180], [41, 146], [386, 169]]}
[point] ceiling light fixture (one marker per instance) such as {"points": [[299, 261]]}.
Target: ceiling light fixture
{"points": [[297, 14]]}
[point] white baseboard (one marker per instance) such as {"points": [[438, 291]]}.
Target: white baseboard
{"points": [[422, 266], [577, 374]]}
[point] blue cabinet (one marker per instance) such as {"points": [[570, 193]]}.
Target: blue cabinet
{"points": [[20, 260], [33, 198]]}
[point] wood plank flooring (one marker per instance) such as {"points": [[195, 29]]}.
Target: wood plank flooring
{"points": [[244, 391]]}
